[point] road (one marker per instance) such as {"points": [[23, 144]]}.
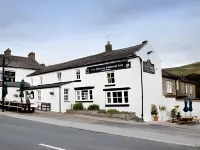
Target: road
{"points": [[24, 134]]}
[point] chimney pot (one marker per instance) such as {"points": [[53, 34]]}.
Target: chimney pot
{"points": [[31, 55], [108, 47], [144, 42], [42, 65], [7, 52]]}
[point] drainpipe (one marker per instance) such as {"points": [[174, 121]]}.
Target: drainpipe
{"points": [[59, 99], [142, 97]]}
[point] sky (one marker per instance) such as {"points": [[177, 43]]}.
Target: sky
{"points": [[62, 30]]}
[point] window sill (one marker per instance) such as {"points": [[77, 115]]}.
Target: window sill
{"points": [[109, 85], [77, 80], [84, 101], [67, 101], [117, 105]]}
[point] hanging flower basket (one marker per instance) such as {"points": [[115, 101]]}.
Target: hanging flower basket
{"points": [[51, 93]]}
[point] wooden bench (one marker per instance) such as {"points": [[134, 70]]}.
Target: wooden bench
{"points": [[46, 106]]}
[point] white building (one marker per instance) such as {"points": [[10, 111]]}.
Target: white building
{"points": [[127, 79], [21, 66]]}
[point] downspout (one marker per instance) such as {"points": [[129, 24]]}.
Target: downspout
{"points": [[142, 97], [59, 99]]}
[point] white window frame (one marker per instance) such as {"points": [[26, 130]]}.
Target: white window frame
{"points": [[190, 89], [110, 77], [169, 86], [66, 95], [59, 75], [41, 79], [39, 95], [177, 85], [82, 95], [186, 88], [110, 97], [78, 74]]}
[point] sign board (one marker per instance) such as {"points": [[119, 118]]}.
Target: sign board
{"points": [[9, 76], [109, 67], [148, 67]]}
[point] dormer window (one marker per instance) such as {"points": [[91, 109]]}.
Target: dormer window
{"points": [[59, 76]]}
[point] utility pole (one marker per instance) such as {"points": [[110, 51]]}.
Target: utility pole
{"points": [[3, 66]]}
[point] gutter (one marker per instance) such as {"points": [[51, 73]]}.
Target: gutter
{"points": [[60, 99], [142, 96]]}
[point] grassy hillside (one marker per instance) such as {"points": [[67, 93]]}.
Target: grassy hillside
{"points": [[185, 70], [191, 72]]}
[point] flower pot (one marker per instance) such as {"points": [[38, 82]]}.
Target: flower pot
{"points": [[155, 118]]}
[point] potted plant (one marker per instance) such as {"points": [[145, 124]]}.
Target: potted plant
{"points": [[51, 93], [154, 112]]}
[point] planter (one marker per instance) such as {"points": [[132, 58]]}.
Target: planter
{"points": [[155, 118]]}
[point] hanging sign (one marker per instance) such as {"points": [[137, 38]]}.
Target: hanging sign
{"points": [[9, 76], [109, 67], [148, 67]]}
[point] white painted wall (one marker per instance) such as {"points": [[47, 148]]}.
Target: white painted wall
{"points": [[170, 103], [20, 73], [47, 97]]}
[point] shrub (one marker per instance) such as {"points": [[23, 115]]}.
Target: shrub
{"points": [[154, 110], [78, 106], [93, 107], [112, 111], [173, 113]]}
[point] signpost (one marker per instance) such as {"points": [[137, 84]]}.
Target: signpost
{"points": [[7, 76]]}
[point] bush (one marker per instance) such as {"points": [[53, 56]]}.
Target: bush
{"points": [[112, 111], [154, 110], [93, 107], [173, 113], [78, 106]]}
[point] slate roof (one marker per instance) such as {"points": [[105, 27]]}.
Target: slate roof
{"points": [[119, 54], [172, 76], [44, 86], [20, 62], [15, 84]]}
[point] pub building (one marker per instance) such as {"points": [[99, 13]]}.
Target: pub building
{"points": [[127, 79]]}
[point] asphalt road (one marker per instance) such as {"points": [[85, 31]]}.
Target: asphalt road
{"points": [[23, 134]]}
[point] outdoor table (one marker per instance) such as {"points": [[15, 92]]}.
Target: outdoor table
{"points": [[185, 120]]}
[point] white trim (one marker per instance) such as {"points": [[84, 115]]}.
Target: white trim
{"points": [[169, 86], [190, 89], [111, 97]]}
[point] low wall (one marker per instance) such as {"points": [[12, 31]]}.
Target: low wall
{"points": [[171, 102], [120, 115]]}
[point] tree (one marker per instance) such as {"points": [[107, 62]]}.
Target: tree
{"points": [[22, 88]]}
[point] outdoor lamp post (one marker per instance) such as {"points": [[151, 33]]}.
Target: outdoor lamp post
{"points": [[4, 91]]}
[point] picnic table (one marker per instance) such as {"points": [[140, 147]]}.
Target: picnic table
{"points": [[17, 106], [188, 120]]}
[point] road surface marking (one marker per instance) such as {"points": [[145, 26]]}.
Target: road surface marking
{"points": [[49, 146]]}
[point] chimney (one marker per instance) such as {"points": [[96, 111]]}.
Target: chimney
{"points": [[108, 47], [7, 52], [144, 42], [31, 55]]}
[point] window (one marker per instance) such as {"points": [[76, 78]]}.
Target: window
{"points": [[169, 86], [84, 95], [66, 94], [190, 89], [78, 74], [59, 76], [177, 85], [117, 97], [186, 89], [41, 79], [39, 95], [111, 77]]}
